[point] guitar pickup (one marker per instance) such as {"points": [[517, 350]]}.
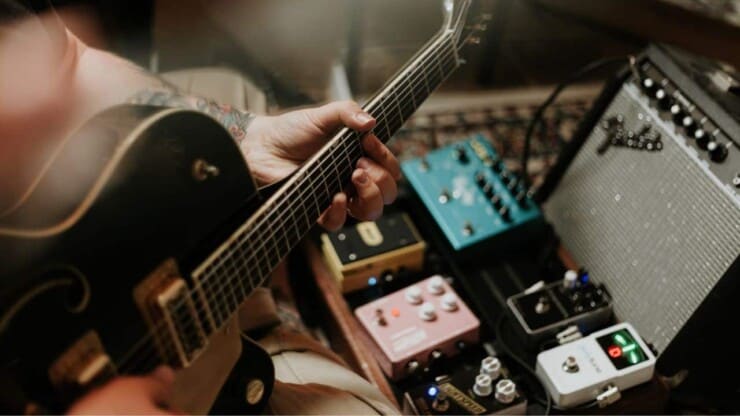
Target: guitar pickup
{"points": [[182, 321], [165, 301]]}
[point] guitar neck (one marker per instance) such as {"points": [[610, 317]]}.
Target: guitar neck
{"points": [[229, 275]]}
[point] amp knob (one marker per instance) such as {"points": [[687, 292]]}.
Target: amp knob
{"points": [[677, 113], [717, 152], [664, 100], [702, 139], [649, 85]]}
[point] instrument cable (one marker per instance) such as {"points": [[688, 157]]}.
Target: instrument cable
{"points": [[547, 402], [539, 113]]}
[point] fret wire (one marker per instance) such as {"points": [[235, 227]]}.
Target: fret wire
{"points": [[344, 148], [308, 221], [260, 266], [155, 356], [420, 69]]}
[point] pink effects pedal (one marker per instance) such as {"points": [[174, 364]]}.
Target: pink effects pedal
{"points": [[417, 325]]}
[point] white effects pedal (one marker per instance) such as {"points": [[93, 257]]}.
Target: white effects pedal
{"points": [[597, 367]]}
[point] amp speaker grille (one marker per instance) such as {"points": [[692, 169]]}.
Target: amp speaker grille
{"points": [[656, 227]]}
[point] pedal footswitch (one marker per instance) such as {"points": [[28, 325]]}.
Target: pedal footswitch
{"points": [[607, 361]]}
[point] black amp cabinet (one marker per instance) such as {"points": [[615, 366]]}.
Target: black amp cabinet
{"points": [[647, 197]]}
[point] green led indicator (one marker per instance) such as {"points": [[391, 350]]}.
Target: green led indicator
{"points": [[629, 348], [619, 338], [633, 357]]}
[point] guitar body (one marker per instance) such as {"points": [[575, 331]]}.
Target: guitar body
{"points": [[138, 241], [134, 187]]}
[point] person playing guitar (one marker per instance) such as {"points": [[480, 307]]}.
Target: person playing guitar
{"points": [[73, 81], [141, 234]]}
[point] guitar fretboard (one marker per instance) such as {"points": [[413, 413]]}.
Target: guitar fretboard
{"points": [[255, 250]]}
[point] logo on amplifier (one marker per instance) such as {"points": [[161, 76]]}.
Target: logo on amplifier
{"points": [[618, 135]]}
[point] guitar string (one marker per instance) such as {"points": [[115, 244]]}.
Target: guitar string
{"points": [[404, 90], [225, 263], [352, 156], [223, 260], [404, 86]]}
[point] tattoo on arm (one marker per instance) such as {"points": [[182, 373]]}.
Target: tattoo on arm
{"points": [[236, 121]]}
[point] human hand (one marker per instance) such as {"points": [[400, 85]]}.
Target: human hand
{"points": [[149, 394], [276, 146]]}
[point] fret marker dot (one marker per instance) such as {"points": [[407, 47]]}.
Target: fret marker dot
{"points": [[341, 237], [352, 256]]}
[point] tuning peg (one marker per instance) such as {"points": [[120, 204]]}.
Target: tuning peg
{"points": [[474, 40], [481, 27], [486, 17]]}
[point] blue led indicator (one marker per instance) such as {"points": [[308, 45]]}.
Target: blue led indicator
{"points": [[372, 281], [432, 391], [584, 279]]}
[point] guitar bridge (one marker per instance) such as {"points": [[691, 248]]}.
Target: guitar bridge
{"points": [[164, 301], [82, 366]]}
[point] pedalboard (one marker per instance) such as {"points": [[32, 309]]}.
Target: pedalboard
{"points": [[575, 300], [416, 327], [360, 255], [470, 194], [483, 390], [598, 367]]}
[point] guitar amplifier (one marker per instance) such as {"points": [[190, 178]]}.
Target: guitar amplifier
{"points": [[647, 197]]}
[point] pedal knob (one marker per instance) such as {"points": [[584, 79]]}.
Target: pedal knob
{"points": [[505, 391], [497, 201], [468, 229], [435, 286], [488, 190], [570, 279], [449, 302], [483, 385], [413, 295], [379, 318], [412, 367], [521, 197], [480, 178], [460, 154], [427, 312], [491, 366], [504, 213], [440, 402]]}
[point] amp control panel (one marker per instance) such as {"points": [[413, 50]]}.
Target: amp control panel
{"points": [[717, 147]]}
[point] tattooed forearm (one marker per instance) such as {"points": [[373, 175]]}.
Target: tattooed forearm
{"points": [[236, 121]]}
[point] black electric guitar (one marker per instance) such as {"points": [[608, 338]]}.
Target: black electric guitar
{"points": [[138, 241]]}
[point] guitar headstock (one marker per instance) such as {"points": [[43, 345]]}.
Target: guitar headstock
{"points": [[464, 26]]}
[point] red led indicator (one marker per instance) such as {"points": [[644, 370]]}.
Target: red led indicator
{"points": [[614, 351]]}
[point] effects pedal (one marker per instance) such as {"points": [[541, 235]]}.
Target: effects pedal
{"points": [[598, 367], [414, 327], [572, 301], [360, 255], [470, 194], [483, 390]]}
